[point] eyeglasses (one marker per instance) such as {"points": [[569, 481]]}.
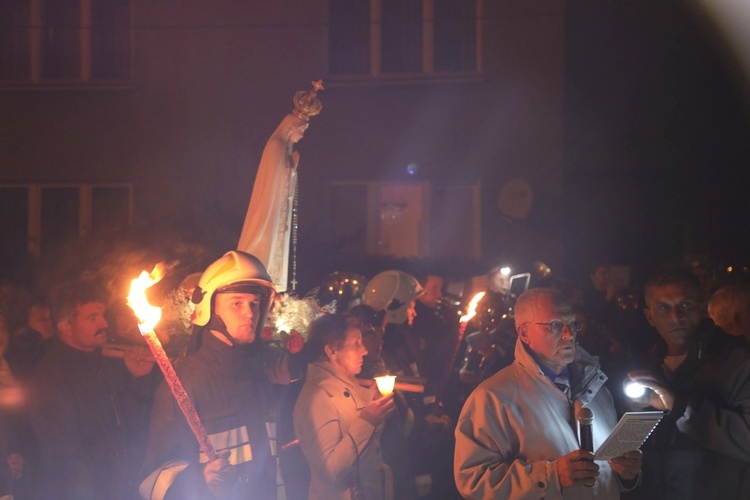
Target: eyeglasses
{"points": [[556, 326]]}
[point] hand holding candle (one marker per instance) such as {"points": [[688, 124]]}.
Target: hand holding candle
{"points": [[377, 411]]}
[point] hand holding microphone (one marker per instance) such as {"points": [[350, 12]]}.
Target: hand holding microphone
{"points": [[577, 468]]}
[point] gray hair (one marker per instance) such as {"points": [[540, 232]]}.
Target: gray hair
{"points": [[527, 304]]}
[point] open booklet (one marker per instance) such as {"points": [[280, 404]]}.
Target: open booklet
{"points": [[629, 434]]}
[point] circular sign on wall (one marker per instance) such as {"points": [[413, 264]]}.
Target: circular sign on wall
{"points": [[516, 198]]}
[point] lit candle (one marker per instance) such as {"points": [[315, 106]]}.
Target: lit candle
{"points": [[385, 384], [148, 316]]}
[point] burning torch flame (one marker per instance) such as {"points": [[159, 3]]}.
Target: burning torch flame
{"points": [[471, 311], [148, 315]]}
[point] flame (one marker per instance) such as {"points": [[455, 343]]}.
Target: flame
{"points": [[148, 315], [160, 270], [471, 311]]}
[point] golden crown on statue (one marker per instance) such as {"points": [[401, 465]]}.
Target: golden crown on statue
{"points": [[306, 102]]}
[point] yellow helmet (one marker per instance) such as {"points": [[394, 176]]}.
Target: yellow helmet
{"points": [[234, 272], [392, 291]]}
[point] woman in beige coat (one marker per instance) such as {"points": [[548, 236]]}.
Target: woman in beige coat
{"points": [[337, 421]]}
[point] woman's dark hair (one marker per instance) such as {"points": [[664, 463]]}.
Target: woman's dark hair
{"points": [[328, 330]]}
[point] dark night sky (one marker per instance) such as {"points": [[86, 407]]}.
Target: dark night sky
{"points": [[657, 147]]}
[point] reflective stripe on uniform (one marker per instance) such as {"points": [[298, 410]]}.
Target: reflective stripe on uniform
{"points": [[236, 441], [155, 486]]}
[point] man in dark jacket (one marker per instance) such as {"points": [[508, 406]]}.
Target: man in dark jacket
{"points": [[87, 411], [226, 376], [29, 344], [701, 449]]}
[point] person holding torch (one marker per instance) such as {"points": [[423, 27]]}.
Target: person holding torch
{"points": [[87, 411], [226, 375]]}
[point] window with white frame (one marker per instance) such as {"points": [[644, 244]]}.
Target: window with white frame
{"points": [[384, 38], [63, 42]]}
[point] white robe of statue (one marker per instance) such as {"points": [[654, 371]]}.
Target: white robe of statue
{"points": [[267, 230]]}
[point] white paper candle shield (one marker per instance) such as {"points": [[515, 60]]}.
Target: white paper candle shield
{"points": [[385, 384]]}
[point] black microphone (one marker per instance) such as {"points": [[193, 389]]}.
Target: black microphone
{"points": [[585, 417]]}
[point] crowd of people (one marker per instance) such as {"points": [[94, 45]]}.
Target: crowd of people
{"points": [[484, 407]]}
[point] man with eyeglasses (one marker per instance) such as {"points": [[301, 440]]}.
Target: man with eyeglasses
{"points": [[516, 436], [701, 378]]}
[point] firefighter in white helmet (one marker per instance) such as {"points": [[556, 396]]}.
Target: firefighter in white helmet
{"points": [[226, 375], [393, 292], [426, 429], [235, 272]]}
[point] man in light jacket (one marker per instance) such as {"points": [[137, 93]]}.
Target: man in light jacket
{"points": [[516, 436]]}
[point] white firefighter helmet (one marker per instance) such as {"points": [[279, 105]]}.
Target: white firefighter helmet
{"points": [[234, 272], [392, 291]]}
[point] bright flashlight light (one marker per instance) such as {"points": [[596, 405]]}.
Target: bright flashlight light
{"points": [[505, 271], [634, 390]]}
